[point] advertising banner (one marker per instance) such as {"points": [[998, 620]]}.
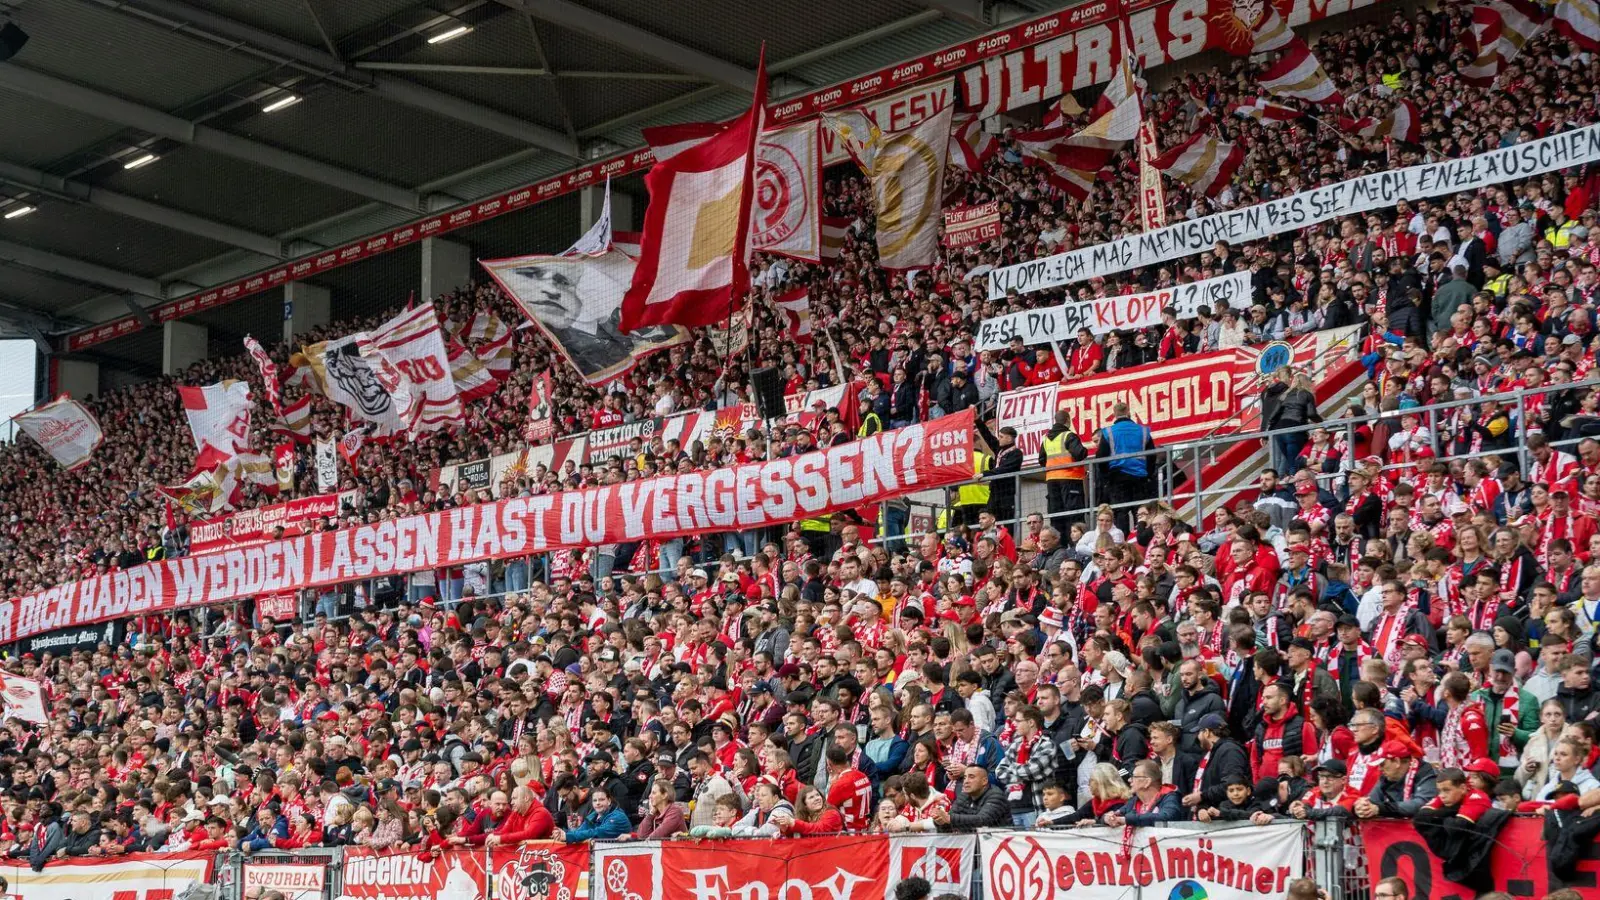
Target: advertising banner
{"points": [[252, 526], [1517, 863], [1106, 314], [1379, 190], [755, 495], [855, 867], [450, 875], [135, 876], [1245, 863], [965, 226]]}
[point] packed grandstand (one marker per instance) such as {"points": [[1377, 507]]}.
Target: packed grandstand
{"points": [[1388, 624]]}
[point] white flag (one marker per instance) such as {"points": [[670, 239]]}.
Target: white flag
{"points": [[219, 415], [64, 428], [597, 239], [787, 219], [327, 466], [413, 344], [907, 172], [23, 699], [373, 390]]}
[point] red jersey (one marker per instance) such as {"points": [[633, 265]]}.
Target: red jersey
{"points": [[851, 795]]}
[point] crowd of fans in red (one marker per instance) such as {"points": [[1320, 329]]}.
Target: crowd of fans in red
{"points": [[1393, 629]]}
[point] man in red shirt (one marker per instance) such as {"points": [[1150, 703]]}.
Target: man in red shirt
{"points": [[528, 821], [849, 791]]}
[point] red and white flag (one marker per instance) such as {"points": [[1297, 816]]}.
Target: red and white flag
{"points": [[1263, 110], [295, 422], [694, 264], [1497, 34], [796, 308], [1061, 111], [1579, 22], [64, 428], [1404, 124], [249, 468], [283, 465], [970, 145], [1152, 197], [23, 699], [413, 345], [1204, 162], [269, 373], [1299, 75], [834, 229], [219, 415], [628, 242], [1073, 161], [350, 445], [482, 325], [471, 375]]}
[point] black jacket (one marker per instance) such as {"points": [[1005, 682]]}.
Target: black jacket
{"points": [[989, 810], [1194, 707], [1146, 708], [1227, 758]]}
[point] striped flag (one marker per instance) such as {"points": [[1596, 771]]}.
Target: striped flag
{"points": [[295, 421], [1263, 110], [970, 145], [471, 375], [833, 232], [1498, 32], [269, 373], [1272, 33], [1579, 21], [1204, 162], [1073, 161], [628, 242], [482, 325], [1299, 75], [1404, 124], [1059, 112], [796, 308]]}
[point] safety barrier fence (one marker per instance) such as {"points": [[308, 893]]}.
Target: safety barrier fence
{"points": [[1231, 861]]}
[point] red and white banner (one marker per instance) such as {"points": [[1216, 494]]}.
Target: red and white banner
{"points": [[541, 424], [756, 495], [23, 698], [1032, 412], [253, 526], [269, 373], [1152, 197], [1104, 864], [64, 428], [295, 881], [450, 875], [844, 867], [540, 870], [280, 607], [413, 343], [1022, 64], [968, 225], [135, 876]]}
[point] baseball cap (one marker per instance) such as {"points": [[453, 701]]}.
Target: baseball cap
{"points": [[1394, 750], [1484, 766], [698, 573], [1503, 661], [1212, 722], [1349, 620], [666, 759], [1306, 488], [1333, 767]]}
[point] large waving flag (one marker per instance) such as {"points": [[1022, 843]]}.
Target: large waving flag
{"points": [[219, 416], [1404, 124], [1498, 32], [64, 428], [1579, 22], [693, 268], [906, 169], [796, 309], [1263, 110], [365, 384], [269, 373], [1204, 162], [1298, 74], [1073, 161], [970, 145], [413, 344]]}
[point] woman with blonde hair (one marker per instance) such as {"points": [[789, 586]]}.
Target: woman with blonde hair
{"points": [[1107, 793]]}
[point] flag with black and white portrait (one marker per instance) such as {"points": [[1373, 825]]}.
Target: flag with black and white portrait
{"points": [[365, 385], [577, 302]]}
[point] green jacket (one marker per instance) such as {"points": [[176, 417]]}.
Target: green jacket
{"points": [[1527, 717]]}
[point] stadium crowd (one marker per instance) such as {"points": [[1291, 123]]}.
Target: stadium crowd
{"points": [[1402, 628]]}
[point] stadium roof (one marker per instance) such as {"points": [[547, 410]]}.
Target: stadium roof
{"points": [[281, 126]]}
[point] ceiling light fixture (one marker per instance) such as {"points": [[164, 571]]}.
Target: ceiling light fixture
{"points": [[19, 212], [450, 35], [142, 161], [281, 103]]}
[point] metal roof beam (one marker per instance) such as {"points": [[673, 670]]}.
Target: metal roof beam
{"points": [[638, 40], [967, 11], [138, 310], [203, 24], [144, 210], [78, 270], [134, 115]]}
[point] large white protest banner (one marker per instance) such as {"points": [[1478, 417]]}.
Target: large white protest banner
{"points": [[1106, 314], [1379, 190]]}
